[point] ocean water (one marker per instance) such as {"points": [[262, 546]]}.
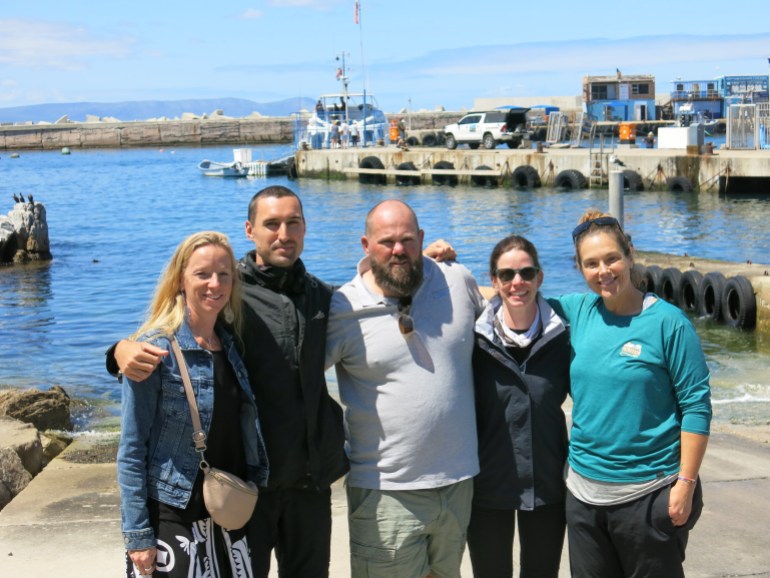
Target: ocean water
{"points": [[115, 217]]}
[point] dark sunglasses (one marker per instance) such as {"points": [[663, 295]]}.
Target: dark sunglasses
{"points": [[600, 221], [405, 321], [508, 275]]}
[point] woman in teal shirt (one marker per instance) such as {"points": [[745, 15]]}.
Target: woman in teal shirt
{"points": [[640, 418]]}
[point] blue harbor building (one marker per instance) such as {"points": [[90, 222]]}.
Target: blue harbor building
{"points": [[620, 97], [711, 98]]}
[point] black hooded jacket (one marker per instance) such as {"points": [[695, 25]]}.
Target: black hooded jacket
{"points": [[284, 340], [521, 426]]}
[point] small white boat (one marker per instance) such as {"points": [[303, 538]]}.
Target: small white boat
{"points": [[216, 169]]}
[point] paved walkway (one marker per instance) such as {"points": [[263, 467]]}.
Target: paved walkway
{"points": [[67, 522]]}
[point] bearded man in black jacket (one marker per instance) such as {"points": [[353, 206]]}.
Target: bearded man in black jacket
{"points": [[284, 339]]}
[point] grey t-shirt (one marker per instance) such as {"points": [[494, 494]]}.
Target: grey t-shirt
{"points": [[410, 421]]}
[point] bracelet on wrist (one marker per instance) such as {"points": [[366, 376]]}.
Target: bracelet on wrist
{"points": [[688, 481]]}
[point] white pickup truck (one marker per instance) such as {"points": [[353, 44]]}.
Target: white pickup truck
{"points": [[488, 128]]}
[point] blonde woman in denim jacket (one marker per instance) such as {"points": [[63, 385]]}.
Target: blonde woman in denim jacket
{"points": [[166, 528]]}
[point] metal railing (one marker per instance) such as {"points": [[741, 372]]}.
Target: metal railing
{"points": [[763, 124], [748, 126]]}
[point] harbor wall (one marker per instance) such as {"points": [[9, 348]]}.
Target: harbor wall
{"points": [[655, 167], [146, 133], [193, 132]]}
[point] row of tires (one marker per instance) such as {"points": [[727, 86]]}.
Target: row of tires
{"points": [[730, 301], [524, 176]]}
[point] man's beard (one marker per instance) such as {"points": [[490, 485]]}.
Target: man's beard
{"points": [[401, 282]]}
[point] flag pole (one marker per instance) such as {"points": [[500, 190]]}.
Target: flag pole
{"points": [[359, 22]]}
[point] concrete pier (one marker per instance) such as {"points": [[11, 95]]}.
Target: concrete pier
{"points": [[656, 168]]}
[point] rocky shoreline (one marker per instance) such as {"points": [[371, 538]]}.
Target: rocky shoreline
{"points": [[33, 431]]}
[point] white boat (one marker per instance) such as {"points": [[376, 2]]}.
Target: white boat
{"points": [[358, 109], [216, 169]]}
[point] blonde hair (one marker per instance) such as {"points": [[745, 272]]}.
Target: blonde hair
{"points": [[167, 309]]}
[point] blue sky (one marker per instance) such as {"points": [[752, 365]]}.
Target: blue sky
{"points": [[425, 52]]}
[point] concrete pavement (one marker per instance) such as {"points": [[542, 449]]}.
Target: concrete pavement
{"points": [[66, 523]]}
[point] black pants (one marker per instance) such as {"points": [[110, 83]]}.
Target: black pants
{"points": [[633, 540], [541, 538], [297, 523]]}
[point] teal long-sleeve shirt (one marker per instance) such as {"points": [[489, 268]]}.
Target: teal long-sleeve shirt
{"points": [[637, 382]]}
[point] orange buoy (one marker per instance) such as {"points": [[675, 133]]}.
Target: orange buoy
{"points": [[627, 132], [393, 131]]}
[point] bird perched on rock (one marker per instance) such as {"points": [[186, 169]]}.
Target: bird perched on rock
{"points": [[30, 200], [15, 198], [616, 161], [21, 198]]}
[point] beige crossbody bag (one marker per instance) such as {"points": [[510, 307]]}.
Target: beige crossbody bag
{"points": [[229, 500]]}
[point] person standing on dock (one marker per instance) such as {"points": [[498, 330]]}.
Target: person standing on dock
{"points": [[345, 134], [284, 336], [335, 134], [521, 373], [640, 418], [166, 528], [401, 338], [649, 140], [354, 135]]}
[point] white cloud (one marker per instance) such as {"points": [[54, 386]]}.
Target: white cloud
{"points": [[40, 44], [251, 14]]}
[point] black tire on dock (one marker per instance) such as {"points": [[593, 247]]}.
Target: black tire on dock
{"points": [[404, 180], [739, 305], [679, 185], [483, 180], [412, 141], [526, 177], [689, 290], [637, 277], [570, 180], [440, 138], [632, 181], [291, 169], [670, 285], [429, 140], [450, 180], [712, 288], [652, 279], [369, 179]]}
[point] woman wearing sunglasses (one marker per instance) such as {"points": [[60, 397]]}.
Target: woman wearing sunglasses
{"points": [[521, 373], [640, 418]]}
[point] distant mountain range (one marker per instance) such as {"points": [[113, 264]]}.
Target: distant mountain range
{"points": [[143, 110]]}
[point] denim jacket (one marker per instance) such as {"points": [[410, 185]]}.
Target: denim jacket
{"points": [[156, 455]]}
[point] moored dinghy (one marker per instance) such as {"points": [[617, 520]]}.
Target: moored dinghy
{"points": [[217, 169]]}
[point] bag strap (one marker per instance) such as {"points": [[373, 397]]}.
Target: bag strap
{"points": [[199, 436]]}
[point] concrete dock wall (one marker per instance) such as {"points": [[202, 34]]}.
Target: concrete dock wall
{"points": [[757, 274], [147, 133], [706, 172], [154, 133]]}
